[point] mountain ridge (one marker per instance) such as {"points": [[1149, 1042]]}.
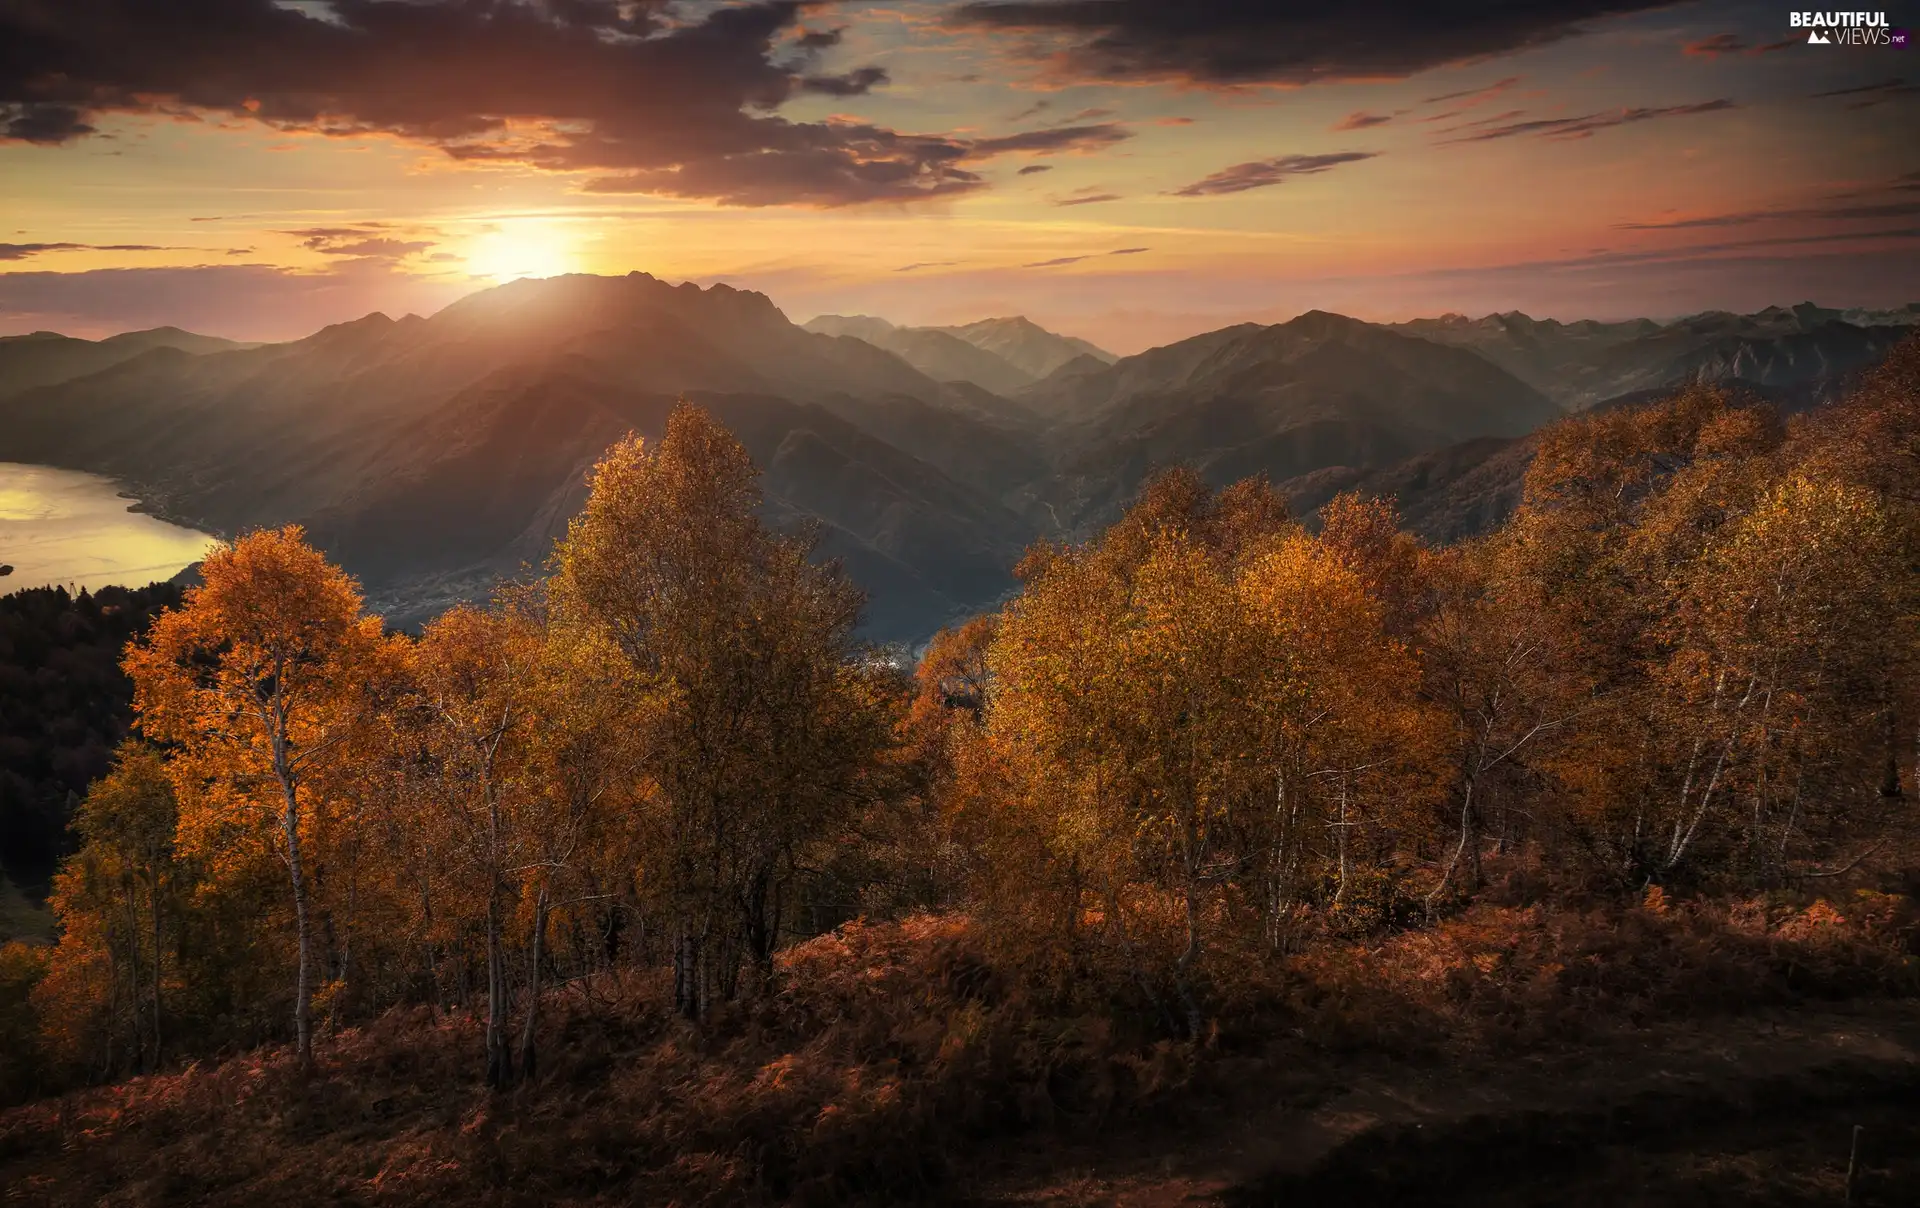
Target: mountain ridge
{"points": [[435, 455], [1004, 355]]}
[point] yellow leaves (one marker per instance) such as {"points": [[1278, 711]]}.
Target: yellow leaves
{"points": [[1151, 690], [257, 677]]}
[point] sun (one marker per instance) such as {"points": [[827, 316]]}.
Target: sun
{"points": [[521, 249]]}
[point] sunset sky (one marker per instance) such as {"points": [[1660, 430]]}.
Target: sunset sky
{"points": [[1130, 171]]}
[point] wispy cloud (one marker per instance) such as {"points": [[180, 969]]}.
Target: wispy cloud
{"points": [[1361, 120], [1054, 138], [1265, 173], [1891, 209], [1585, 125], [1866, 96], [1474, 96], [22, 251], [1734, 44], [1697, 250], [364, 241]]}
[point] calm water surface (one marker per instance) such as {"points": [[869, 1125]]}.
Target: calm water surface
{"points": [[65, 527]]}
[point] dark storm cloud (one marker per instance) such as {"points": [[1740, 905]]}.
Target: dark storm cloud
{"points": [[1585, 126], [32, 122], [652, 97], [21, 251], [1264, 173], [1227, 42]]}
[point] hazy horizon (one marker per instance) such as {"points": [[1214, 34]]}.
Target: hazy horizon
{"points": [[803, 318], [263, 168]]}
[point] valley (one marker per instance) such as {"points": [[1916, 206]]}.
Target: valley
{"points": [[434, 457]]}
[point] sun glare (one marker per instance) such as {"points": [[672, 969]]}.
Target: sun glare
{"points": [[521, 250]]}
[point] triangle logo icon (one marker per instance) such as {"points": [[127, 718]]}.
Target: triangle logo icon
{"points": [[1816, 38]]}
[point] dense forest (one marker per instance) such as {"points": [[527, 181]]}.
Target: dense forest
{"points": [[64, 707], [1652, 746]]}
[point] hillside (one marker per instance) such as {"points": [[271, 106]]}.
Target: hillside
{"points": [[940, 355], [1226, 862], [1399, 1097], [1805, 349], [1283, 401], [435, 455], [1025, 344], [45, 357]]}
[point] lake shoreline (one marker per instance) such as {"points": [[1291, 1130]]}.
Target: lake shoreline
{"points": [[78, 529]]}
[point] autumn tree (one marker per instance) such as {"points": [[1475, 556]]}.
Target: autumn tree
{"points": [[584, 760], [1131, 676], [769, 715], [256, 682], [1784, 631], [475, 673], [118, 900], [1348, 743]]}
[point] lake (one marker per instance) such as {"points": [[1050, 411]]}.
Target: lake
{"points": [[69, 528]]}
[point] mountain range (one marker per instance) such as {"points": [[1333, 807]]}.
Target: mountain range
{"points": [[432, 456], [1002, 355]]}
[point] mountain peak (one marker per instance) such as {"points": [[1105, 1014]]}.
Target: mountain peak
{"points": [[1322, 324], [860, 327], [1025, 344]]}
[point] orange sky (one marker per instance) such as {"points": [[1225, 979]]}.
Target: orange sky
{"points": [[1133, 180]]}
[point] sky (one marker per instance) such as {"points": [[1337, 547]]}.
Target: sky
{"points": [[1128, 171]]}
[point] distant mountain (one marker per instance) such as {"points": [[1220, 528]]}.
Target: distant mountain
{"points": [[1027, 345], [1082, 364], [432, 456], [46, 357], [1320, 391], [1805, 350], [941, 356], [1444, 495]]}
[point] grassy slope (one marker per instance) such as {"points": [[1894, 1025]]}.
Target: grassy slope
{"points": [[20, 919], [903, 1062]]}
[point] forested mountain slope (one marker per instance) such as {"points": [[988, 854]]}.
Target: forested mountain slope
{"points": [[434, 455]]}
